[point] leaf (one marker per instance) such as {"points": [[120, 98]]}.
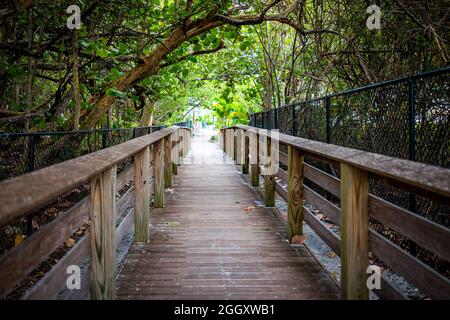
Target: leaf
{"points": [[249, 209], [332, 255], [19, 239], [102, 53], [70, 242], [113, 92], [299, 239]]}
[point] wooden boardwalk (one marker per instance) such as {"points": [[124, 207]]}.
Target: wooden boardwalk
{"points": [[214, 240]]}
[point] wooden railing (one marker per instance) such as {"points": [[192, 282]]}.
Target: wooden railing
{"points": [[23, 195], [356, 206]]}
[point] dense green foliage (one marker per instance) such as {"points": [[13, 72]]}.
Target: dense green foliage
{"points": [[233, 58]]}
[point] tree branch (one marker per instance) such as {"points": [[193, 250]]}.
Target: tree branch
{"points": [[193, 54]]}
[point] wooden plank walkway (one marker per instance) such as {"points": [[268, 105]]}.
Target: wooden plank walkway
{"points": [[205, 245]]}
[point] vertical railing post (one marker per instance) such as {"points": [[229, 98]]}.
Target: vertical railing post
{"points": [[158, 173], [239, 147], [189, 139], [224, 140], [186, 142], [142, 195], [168, 161], [295, 192], [103, 229], [254, 167], [354, 232], [174, 137], [230, 143], [245, 165], [233, 132], [269, 179]]}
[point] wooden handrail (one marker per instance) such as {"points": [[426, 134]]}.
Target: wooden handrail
{"points": [[418, 175], [25, 194], [21, 195], [356, 204]]}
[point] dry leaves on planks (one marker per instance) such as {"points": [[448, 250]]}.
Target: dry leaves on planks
{"points": [[299, 239], [249, 209]]}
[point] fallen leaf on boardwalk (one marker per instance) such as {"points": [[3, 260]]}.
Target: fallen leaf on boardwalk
{"points": [[248, 209], [70, 242], [299, 239], [19, 239], [332, 255], [319, 216]]}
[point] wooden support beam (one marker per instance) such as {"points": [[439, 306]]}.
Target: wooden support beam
{"points": [[189, 132], [239, 148], [185, 149], [142, 195], [255, 163], [158, 174], [103, 229], [168, 162], [176, 153], [233, 132], [224, 140], [230, 143], [295, 192], [245, 165], [181, 147], [269, 180], [354, 232]]}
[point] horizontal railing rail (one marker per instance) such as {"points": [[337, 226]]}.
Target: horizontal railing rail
{"points": [[354, 207], [405, 118], [155, 158], [25, 152]]}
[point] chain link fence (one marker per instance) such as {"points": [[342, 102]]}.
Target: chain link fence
{"points": [[24, 152], [406, 118]]}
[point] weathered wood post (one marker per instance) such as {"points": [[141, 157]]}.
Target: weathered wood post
{"points": [[158, 173], [295, 192], [180, 147], [269, 179], [142, 195], [186, 142], [239, 136], [233, 132], [224, 140], [168, 161], [103, 229], [245, 165], [254, 167], [189, 139], [176, 139], [354, 232], [228, 146]]}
